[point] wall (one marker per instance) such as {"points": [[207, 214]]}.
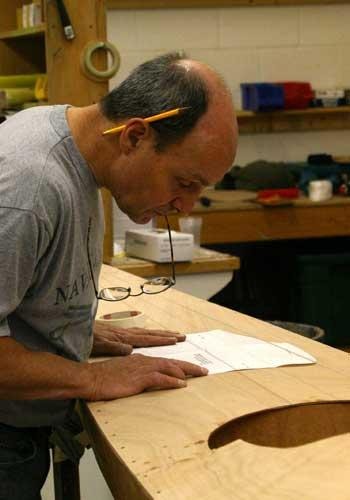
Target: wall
{"points": [[245, 44], [249, 44]]}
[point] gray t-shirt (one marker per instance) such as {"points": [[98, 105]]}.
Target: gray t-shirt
{"points": [[47, 197]]}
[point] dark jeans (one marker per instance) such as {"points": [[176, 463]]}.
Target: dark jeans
{"points": [[24, 462]]}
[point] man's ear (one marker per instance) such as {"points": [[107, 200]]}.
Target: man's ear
{"points": [[136, 130]]}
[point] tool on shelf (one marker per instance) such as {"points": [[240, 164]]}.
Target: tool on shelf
{"points": [[65, 20]]}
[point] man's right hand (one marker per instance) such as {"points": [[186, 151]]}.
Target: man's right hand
{"points": [[121, 377]]}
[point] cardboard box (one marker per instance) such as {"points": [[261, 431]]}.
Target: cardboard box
{"points": [[153, 244]]}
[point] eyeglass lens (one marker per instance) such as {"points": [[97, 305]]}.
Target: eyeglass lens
{"points": [[156, 285]]}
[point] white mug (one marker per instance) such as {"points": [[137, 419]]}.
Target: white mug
{"points": [[320, 190]]}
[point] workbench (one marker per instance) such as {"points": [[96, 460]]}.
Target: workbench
{"points": [[280, 433], [235, 217]]}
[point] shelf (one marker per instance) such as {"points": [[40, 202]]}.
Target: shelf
{"points": [[169, 4], [206, 261], [294, 120], [36, 31]]}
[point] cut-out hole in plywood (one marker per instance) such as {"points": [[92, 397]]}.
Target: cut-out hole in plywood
{"points": [[287, 426]]}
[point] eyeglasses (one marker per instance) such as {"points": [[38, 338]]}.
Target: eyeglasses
{"points": [[151, 287]]}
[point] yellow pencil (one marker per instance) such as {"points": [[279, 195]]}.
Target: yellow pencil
{"points": [[154, 118]]}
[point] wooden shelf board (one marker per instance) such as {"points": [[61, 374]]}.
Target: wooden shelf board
{"points": [[294, 120], [238, 222], [295, 112], [208, 261], [170, 4], [23, 33]]}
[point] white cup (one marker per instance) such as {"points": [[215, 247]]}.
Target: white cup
{"points": [[192, 225], [123, 319], [320, 190]]}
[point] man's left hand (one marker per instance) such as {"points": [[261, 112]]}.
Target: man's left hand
{"points": [[114, 341]]}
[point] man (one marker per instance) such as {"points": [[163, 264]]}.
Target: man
{"points": [[52, 161]]}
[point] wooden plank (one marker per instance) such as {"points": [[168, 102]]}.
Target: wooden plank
{"points": [[295, 112], [170, 4], [292, 423], [250, 222], [23, 33], [294, 121], [67, 82]]}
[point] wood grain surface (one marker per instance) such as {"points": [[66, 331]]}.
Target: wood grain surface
{"points": [[278, 433], [231, 219], [208, 261], [166, 4]]}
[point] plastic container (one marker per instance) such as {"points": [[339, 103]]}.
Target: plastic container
{"points": [[262, 96], [297, 95]]}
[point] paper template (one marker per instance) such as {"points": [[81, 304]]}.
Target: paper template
{"points": [[221, 351]]}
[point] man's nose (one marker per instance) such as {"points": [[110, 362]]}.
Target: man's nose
{"points": [[184, 204]]}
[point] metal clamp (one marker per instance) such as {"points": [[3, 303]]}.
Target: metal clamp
{"points": [[88, 67]]}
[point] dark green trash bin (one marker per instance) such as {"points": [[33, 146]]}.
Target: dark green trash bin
{"points": [[321, 295], [309, 331]]}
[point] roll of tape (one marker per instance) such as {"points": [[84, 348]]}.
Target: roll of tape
{"points": [[87, 64], [123, 319], [320, 190]]}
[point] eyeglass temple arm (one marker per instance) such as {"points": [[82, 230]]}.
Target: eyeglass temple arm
{"points": [[171, 249], [89, 259]]}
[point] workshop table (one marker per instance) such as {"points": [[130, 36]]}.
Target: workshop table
{"points": [[235, 217], [279, 433]]}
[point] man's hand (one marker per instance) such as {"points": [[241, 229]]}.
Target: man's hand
{"points": [[113, 341], [121, 377]]}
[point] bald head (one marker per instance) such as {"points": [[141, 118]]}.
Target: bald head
{"points": [[218, 124], [166, 82]]}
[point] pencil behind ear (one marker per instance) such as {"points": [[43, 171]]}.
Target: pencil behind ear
{"points": [[153, 118], [132, 133]]}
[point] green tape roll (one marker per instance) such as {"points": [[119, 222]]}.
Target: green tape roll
{"points": [[88, 67]]}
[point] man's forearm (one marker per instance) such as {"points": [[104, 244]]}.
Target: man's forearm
{"points": [[26, 374]]}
